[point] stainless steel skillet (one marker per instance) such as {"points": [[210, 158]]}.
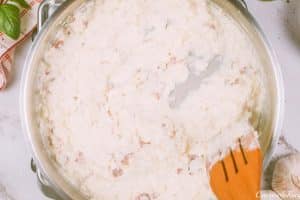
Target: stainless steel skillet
{"points": [[269, 124]]}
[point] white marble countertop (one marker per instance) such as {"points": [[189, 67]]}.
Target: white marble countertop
{"points": [[277, 19]]}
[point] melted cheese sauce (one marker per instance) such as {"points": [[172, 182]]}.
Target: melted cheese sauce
{"points": [[102, 97]]}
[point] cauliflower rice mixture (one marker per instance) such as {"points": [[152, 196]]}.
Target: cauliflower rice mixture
{"points": [[103, 96]]}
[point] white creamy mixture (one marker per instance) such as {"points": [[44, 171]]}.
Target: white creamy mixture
{"points": [[102, 97]]}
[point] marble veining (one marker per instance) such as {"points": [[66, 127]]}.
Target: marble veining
{"points": [[4, 195]]}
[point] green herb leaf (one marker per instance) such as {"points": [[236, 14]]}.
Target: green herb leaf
{"points": [[21, 3], [10, 22]]}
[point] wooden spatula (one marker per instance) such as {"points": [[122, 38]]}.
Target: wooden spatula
{"points": [[238, 175]]}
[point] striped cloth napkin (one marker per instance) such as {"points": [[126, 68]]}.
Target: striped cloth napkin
{"points": [[7, 45]]}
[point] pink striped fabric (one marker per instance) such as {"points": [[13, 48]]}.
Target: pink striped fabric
{"points": [[7, 45]]}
